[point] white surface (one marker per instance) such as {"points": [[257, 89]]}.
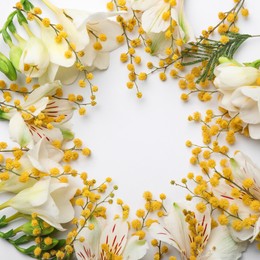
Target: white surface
{"points": [[140, 143]]}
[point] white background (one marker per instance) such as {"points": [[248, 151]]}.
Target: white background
{"points": [[141, 143]]}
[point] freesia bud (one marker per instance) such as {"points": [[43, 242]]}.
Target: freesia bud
{"points": [[7, 67]]}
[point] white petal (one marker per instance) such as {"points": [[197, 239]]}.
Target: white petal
{"points": [[14, 185], [142, 5], [62, 193], [57, 50], [67, 75], [115, 235], [101, 61], [19, 131], [48, 89], [152, 18], [50, 134], [36, 55], [90, 247], [135, 249], [222, 246], [232, 77], [57, 107], [34, 196], [161, 232], [78, 37], [254, 131], [50, 74], [111, 29], [249, 111]]}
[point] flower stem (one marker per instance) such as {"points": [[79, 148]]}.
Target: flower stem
{"points": [[4, 205], [14, 216]]}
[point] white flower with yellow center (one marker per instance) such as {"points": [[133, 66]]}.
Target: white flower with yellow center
{"points": [[164, 22], [107, 241], [43, 157], [191, 235], [244, 192], [40, 116]]}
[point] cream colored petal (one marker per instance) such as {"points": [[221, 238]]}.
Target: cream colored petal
{"points": [[57, 50], [152, 18], [254, 131], [222, 246], [19, 131]]}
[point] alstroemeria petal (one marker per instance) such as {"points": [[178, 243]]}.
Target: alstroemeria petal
{"points": [[222, 246], [38, 132], [57, 107], [152, 18], [19, 131], [47, 89], [90, 247], [135, 248], [161, 232], [115, 236]]}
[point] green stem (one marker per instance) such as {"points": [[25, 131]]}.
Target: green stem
{"points": [[19, 38], [27, 29], [14, 216], [4, 205]]}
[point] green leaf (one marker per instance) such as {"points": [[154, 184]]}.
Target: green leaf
{"points": [[45, 247], [23, 240], [8, 234], [208, 50], [27, 5], [21, 18]]}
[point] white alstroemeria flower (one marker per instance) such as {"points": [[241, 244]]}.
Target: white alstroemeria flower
{"points": [[43, 157], [49, 199], [175, 231], [155, 26], [240, 93], [242, 168], [115, 236], [34, 60], [25, 132]]}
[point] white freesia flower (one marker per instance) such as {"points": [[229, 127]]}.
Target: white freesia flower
{"points": [[43, 157], [83, 29], [242, 168], [240, 93], [155, 25], [214, 244], [115, 236], [34, 60], [49, 199], [25, 131], [77, 35], [96, 24]]}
